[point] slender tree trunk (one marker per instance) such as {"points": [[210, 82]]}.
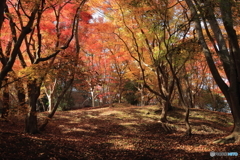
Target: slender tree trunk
{"points": [[50, 102], [120, 90], [59, 99], [120, 97], [92, 96], [142, 94], [43, 105], [186, 120], [50, 91]]}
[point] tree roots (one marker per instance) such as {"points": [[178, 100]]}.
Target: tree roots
{"points": [[232, 138]]}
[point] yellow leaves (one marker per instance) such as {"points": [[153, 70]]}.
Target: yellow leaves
{"points": [[156, 50], [35, 71]]}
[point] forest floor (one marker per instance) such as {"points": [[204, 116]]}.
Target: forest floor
{"points": [[119, 133]]}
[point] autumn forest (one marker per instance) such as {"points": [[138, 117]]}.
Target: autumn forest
{"points": [[119, 79]]}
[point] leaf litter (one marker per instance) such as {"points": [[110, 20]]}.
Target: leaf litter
{"points": [[116, 133]]}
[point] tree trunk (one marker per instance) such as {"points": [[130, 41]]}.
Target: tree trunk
{"points": [[2, 7], [92, 97], [188, 130], [229, 55], [31, 122], [59, 99], [235, 107], [120, 90], [28, 27], [163, 116], [120, 97], [21, 96], [50, 102], [235, 134], [5, 109], [31, 118]]}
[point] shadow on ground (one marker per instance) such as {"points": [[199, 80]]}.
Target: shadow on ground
{"points": [[109, 133]]}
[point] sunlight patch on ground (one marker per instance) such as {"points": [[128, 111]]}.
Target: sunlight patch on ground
{"points": [[193, 148], [91, 116], [174, 119], [67, 129], [101, 109], [116, 136], [147, 119], [80, 130], [120, 115], [90, 126], [37, 138], [143, 110], [111, 112], [73, 139], [122, 144], [129, 125]]}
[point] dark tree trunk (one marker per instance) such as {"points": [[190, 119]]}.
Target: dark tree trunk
{"points": [[229, 54], [31, 123], [2, 7], [15, 51], [5, 109], [235, 108], [31, 118], [21, 96]]}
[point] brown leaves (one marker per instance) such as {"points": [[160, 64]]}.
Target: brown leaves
{"points": [[112, 133]]}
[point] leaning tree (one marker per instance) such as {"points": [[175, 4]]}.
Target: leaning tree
{"points": [[216, 24]]}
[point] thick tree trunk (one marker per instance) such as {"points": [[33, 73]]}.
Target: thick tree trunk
{"points": [[5, 109], [234, 137], [235, 108], [31, 118], [31, 122], [229, 55], [21, 97], [163, 116]]}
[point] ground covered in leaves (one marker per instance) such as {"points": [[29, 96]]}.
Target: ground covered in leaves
{"points": [[120, 132]]}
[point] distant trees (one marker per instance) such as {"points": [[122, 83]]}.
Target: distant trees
{"points": [[206, 99]]}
